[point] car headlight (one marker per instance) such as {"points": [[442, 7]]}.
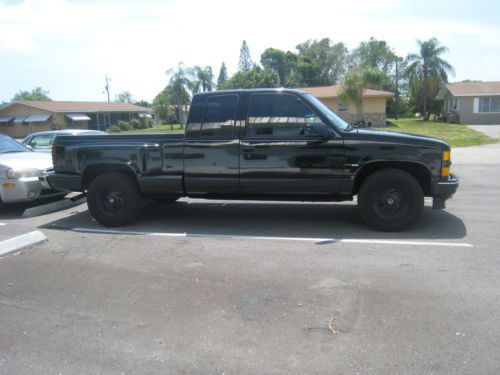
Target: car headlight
{"points": [[28, 172]]}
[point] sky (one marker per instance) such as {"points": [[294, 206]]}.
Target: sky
{"points": [[68, 47]]}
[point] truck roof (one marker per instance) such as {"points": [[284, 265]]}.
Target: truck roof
{"points": [[236, 91]]}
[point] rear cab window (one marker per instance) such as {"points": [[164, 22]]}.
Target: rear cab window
{"points": [[213, 118]]}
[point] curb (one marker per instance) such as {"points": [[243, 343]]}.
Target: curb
{"points": [[51, 207], [20, 242]]}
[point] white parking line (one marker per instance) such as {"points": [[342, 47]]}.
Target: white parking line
{"points": [[20, 242], [273, 238]]}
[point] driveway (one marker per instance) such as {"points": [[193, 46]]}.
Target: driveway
{"points": [[492, 131]]}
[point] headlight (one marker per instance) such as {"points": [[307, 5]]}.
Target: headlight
{"points": [[18, 173]]}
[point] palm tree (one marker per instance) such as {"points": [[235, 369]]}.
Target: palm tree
{"points": [[178, 89], [355, 81], [426, 65], [202, 79]]}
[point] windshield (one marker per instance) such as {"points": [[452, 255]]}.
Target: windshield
{"points": [[334, 118], [9, 145]]}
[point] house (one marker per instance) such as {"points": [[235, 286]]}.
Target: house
{"points": [[474, 103], [20, 118], [372, 109]]}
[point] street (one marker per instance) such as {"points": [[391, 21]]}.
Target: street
{"points": [[221, 287]]}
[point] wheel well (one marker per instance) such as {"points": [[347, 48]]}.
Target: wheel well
{"points": [[420, 172], [93, 171]]}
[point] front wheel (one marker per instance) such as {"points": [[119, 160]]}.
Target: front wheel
{"points": [[114, 199], [390, 200]]}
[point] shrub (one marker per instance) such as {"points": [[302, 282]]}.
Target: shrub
{"points": [[136, 124], [124, 125], [114, 129]]}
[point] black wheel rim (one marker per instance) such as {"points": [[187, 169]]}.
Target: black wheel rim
{"points": [[390, 203], [110, 202]]}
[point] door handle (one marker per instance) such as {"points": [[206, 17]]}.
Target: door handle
{"points": [[248, 149]]}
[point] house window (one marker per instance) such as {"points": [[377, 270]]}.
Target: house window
{"points": [[489, 104], [453, 104], [342, 107]]}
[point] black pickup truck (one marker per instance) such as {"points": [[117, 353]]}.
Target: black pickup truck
{"points": [[265, 144]]}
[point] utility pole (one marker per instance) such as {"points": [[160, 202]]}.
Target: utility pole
{"points": [[397, 89], [107, 87]]}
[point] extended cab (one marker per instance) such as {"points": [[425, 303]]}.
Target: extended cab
{"points": [[269, 144]]}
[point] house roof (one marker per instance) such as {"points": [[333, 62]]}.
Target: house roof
{"points": [[472, 88], [333, 92], [65, 106]]}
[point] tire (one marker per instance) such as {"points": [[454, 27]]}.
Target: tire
{"points": [[164, 199], [114, 199], [390, 200]]}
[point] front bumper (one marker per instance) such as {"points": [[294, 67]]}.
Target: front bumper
{"points": [[443, 190], [24, 189], [66, 182]]}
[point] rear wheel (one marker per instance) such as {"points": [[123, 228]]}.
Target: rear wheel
{"points": [[114, 199], [390, 200]]}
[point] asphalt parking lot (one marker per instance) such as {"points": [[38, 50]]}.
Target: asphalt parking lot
{"points": [[211, 287]]}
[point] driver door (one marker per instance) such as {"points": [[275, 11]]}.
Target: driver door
{"points": [[284, 151]]}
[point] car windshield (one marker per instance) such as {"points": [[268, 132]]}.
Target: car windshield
{"points": [[332, 116], [8, 145]]}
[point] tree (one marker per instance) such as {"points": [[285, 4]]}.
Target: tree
{"points": [[177, 89], [276, 60], [245, 63], [427, 67], [36, 94], [221, 80], [161, 106], [356, 81], [124, 97], [143, 103], [202, 79], [322, 62], [374, 54], [255, 78]]}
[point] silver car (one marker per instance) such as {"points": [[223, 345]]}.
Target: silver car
{"points": [[42, 141], [20, 169]]}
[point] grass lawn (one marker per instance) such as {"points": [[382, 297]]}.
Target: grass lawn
{"points": [[455, 134], [157, 129]]}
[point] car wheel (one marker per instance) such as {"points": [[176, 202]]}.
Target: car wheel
{"points": [[390, 200], [114, 199]]}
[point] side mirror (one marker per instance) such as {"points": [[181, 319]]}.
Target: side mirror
{"points": [[317, 131]]}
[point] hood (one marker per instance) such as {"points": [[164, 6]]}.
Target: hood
{"points": [[402, 138], [24, 160]]}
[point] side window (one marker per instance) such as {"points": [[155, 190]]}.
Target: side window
{"points": [[278, 115], [219, 116], [42, 142]]}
